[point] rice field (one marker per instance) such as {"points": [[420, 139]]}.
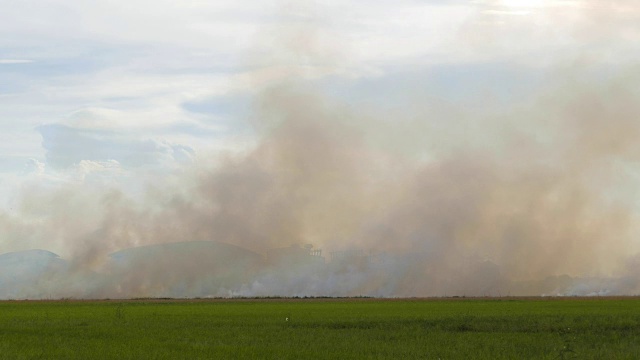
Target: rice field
{"points": [[508, 328]]}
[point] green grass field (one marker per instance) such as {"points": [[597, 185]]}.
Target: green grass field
{"points": [[333, 329]]}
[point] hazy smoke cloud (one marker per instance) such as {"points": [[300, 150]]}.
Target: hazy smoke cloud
{"points": [[534, 198]]}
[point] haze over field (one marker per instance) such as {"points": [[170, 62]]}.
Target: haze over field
{"points": [[442, 148]]}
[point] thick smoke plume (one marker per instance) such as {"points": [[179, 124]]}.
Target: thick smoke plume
{"points": [[530, 199]]}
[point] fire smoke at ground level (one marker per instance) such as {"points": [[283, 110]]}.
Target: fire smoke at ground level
{"points": [[543, 208]]}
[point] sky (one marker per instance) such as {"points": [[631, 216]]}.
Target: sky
{"points": [[159, 83], [146, 98]]}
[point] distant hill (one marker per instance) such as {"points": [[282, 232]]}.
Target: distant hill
{"points": [[30, 273]]}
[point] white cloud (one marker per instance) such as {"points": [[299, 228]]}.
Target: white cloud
{"points": [[33, 166], [67, 146], [101, 169], [14, 61]]}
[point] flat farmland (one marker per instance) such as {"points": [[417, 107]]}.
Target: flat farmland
{"points": [[507, 328]]}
